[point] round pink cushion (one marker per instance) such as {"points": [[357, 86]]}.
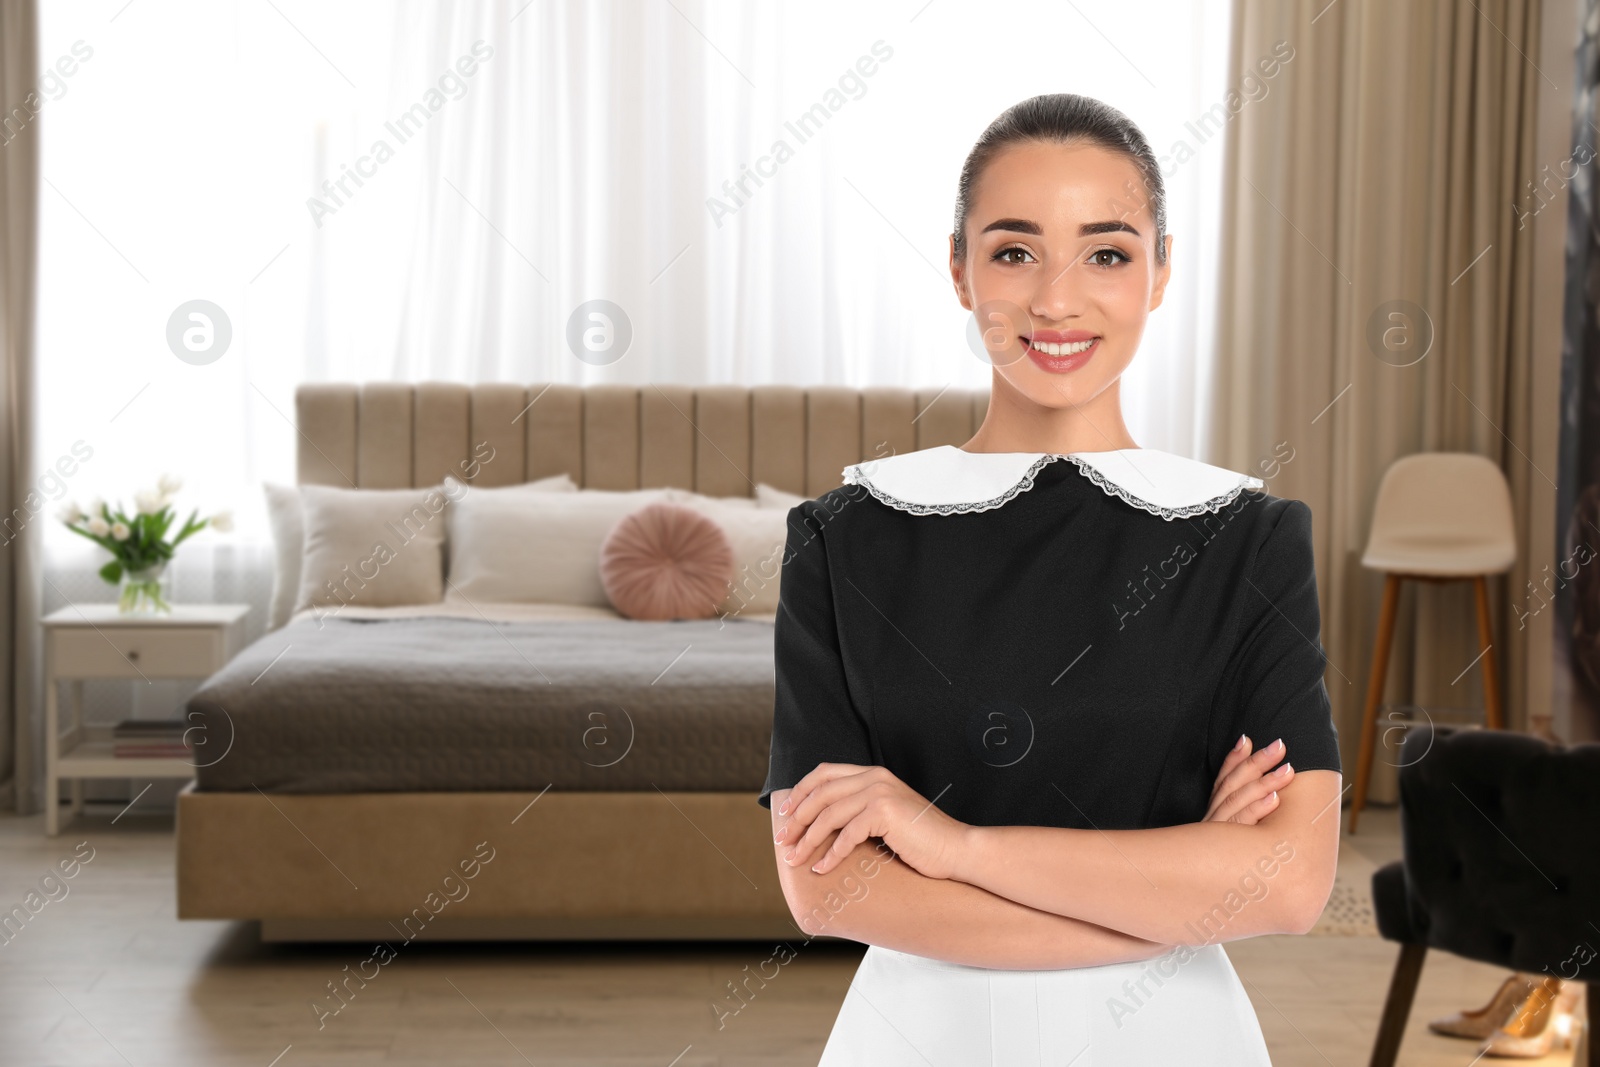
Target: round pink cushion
{"points": [[666, 561]]}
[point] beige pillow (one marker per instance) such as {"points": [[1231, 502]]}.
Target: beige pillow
{"points": [[371, 547], [769, 497], [536, 548], [288, 534], [757, 536]]}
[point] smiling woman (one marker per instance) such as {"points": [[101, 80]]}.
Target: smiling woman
{"points": [[1080, 811], [1063, 278]]}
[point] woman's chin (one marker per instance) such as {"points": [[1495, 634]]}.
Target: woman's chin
{"points": [[1054, 390]]}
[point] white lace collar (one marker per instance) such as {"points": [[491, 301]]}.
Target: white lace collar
{"points": [[947, 480]]}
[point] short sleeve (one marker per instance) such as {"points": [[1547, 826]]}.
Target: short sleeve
{"points": [[1273, 684], [814, 719]]}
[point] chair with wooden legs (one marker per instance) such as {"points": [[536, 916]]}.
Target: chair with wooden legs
{"points": [[1439, 517]]}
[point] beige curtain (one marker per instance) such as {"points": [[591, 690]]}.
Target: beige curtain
{"points": [[1382, 166], [24, 508]]}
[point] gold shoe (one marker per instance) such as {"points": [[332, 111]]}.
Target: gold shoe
{"points": [[1544, 1021], [1481, 1022]]}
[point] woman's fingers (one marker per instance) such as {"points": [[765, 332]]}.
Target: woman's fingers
{"points": [[1248, 770], [1250, 792], [820, 788], [852, 834], [1237, 805], [825, 796], [1236, 770], [823, 772], [1228, 797], [829, 819], [1240, 752], [1257, 810]]}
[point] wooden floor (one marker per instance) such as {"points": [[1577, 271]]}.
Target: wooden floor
{"points": [[106, 975]]}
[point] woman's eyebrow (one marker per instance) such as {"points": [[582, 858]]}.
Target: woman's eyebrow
{"points": [[1088, 229], [1109, 226], [1019, 225]]}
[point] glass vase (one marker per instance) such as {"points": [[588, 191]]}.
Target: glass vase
{"points": [[144, 591]]}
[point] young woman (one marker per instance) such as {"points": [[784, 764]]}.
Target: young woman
{"points": [[1030, 689]]}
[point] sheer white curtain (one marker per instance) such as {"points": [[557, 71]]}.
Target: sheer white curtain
{"points": [[492, 166]]}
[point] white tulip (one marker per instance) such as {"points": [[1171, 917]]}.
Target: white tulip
{"points": [[70, 514], [98, 526], [222, 521], [148, 501], [169, 484], [96, 506], [120, 531]]}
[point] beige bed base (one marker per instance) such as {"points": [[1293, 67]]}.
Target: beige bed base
{"points": [[561, 865], [557, 865]]}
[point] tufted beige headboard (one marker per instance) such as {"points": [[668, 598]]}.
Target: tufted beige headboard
{"points": [[714, 439]]}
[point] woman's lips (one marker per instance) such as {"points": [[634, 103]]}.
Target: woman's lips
{"points": [[1061, 351]]}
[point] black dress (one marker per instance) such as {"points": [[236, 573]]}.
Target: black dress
{"points": [[1071, 640]]}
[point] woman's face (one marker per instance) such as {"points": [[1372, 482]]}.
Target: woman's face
{"points": [[1060, 268]]}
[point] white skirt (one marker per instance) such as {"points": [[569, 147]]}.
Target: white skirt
{"points": [[1184, 1007]]}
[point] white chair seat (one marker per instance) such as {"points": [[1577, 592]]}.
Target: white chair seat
{"points": [[1443, 515], [1438, 557]]}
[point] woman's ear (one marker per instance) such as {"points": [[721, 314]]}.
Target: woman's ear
{"points": [[958, 276], [1163, 273]]}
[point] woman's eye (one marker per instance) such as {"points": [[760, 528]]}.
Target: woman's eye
{"points": [[1002, 255], [1115, 256]]}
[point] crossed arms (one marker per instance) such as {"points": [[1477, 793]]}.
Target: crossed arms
{"points": [[874, 862]]}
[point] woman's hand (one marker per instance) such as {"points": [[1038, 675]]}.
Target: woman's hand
{"points": [[861, 802], [1246, 789]]}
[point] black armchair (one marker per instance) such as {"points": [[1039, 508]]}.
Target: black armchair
{"points": [[1501, 835]]}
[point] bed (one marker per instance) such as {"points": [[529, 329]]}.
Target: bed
{"points": [[596, 775]]}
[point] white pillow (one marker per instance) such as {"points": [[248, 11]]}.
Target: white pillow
{"points": [[703, 502], [288, 543], [555, 483], [284, 516], [371, 547], [758, 536], [536, 548], [769, 497]]}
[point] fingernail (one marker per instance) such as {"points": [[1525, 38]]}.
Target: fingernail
{"points": [[815, 866], [783, 809], [788, 857], [1272, 795], [1239, 744], [779, 835], [1285, 769], [1277, 745]]}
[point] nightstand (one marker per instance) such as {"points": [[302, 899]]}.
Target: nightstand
{"points": [[96, 641]]}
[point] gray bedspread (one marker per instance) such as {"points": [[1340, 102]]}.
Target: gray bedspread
{"points": [[346, 705]]}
